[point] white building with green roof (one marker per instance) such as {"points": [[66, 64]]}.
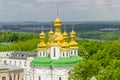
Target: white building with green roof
{"points": [[57, 57]]}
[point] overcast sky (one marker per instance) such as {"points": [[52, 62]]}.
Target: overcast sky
{"points": [[70, 10]]}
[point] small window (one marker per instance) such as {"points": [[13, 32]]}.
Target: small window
{"points": [[63, 54], [40, 53], [60, 78], [71, 52], [22, 55], [54, 52], [10, 78], [7, 55], [3, 78], [5, 62], [39, 78], [67, 53], [43, 53], [14, 77], [18, 76], [74, 52]]}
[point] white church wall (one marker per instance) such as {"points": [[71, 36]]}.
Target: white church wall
{"points": [[54, 52], [44, 73], [61, 73]]}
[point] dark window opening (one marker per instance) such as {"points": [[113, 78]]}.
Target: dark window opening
{"points": [[54, 52], [60, 78], [3, 78]]}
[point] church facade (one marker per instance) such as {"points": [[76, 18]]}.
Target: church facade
{"points": [[56, 57]]}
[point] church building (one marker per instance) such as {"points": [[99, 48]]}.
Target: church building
{"points": [[57, 57]]}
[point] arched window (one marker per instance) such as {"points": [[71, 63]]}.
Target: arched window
{"points": [[67, 54], [54, 52], [39, 78], [60, 78], [3, 78], [71, 52], [14, 77], [10, 78], [75, 52], [43, 53], [63, 54], [40, 53], [5, 62], [18, 76]]}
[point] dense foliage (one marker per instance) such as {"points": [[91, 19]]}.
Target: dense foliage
{"points": [[104, 65], [9, 36], [109, 36]]}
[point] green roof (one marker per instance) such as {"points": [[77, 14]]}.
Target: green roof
{"points": [[62, 61], [41, 61], [67, 61]]}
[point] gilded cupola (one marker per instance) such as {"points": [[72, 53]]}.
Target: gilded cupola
{"points": [[65, 45], [58, 38], [42, 45], [73, 43]]}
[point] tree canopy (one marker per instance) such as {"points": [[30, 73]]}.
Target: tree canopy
{"points": [[104, 65]]}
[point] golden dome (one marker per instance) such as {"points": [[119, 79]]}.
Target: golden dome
{"points": [[65, 46], [73, 44], [42, 46], [51, 33], [65, 34], [42, 34], [57, 20]]}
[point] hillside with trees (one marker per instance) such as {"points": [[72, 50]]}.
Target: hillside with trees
{"points": [[104, 64]]}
